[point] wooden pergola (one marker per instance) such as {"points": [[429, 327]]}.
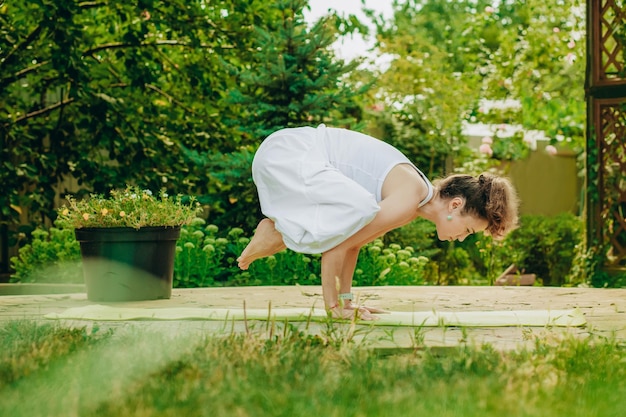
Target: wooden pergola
{"points": [[606, 133]]}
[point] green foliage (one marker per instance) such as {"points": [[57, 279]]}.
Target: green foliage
{"points": [[52, 256], [419, 139], [98, 94], [105, 94], [447, 56], [541, 62], [453, 266], [230, 196], [551, 247], [205, 257], [123, 371], [547, 246], [131, 207], [391, 265], [27, 348], [591, 261], [298, 80], [490, 257], [432, 80]]}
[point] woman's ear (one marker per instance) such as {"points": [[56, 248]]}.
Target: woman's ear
{"points": [[456, 203]]}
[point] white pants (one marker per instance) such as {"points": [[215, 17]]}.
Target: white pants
{"points": [[313, 205]]}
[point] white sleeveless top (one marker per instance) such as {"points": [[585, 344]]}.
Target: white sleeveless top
{"points": [[365, 159]]}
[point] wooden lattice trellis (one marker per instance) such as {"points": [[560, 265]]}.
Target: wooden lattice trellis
{"points": [[606, 151]]}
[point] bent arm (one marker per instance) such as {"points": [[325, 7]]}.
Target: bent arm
{"points": [[338, 263]]}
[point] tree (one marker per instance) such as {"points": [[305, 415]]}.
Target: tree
{"points": [[298, 80], [113, 93], [291, 78], [446, 56], [431, 82], [104, 93], [540, 61]]}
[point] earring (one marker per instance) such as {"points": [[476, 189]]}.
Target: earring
{"points": [[449, 217]]}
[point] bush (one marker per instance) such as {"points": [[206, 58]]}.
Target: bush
{"points": [[52, 256], [205, 257], [391, 265], [547, 246]]}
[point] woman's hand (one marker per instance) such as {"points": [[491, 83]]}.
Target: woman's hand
{"points": [[348, 312], [373, 310]]}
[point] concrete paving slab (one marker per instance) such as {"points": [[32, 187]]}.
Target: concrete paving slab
{"points": [[604, 310]]}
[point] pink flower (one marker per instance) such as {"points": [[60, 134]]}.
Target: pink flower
{"points": [[487, 140], [86, 216], [571, 44], [489, 9], [486, 149], [122, 214], [556, 30], [551, 150], [570, 58]]}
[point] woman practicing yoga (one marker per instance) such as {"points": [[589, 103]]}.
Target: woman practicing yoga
{"points": [[330, 191]]}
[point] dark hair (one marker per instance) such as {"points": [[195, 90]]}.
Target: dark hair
{"points": [[487, 196]]}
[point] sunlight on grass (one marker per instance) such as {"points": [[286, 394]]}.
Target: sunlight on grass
{"points": [[47, 370]]}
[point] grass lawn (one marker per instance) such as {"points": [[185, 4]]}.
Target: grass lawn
{"points": [[48, 370]]}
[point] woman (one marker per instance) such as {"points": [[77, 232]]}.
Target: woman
{"points": [[331, 191]]}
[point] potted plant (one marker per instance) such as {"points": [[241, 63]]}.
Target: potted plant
{"points": [[127, 241]]}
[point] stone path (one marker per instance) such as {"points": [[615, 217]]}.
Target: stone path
{"points": [[604, 310]]}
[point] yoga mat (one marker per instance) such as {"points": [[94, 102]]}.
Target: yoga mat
{"points": [[566, 318]]}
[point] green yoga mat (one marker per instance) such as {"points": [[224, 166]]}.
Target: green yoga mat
{"points": [[533, 318]]}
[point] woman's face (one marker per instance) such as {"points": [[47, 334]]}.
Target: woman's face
{"points": [[451, 225]]}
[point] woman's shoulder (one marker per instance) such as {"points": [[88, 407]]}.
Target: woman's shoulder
{"points": [[405, 180]]}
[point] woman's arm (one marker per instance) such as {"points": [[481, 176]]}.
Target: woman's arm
{"points": [[339, 263]]}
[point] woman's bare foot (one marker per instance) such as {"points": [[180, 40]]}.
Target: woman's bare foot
{"points": [[265, 242]]}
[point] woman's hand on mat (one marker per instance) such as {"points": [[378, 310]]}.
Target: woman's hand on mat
{"points": [[373, 310], [349, 312]]}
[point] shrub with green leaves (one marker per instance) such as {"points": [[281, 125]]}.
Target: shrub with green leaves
{"points": [[547, 246], [205, 256], [391, 265], [52, 256]]}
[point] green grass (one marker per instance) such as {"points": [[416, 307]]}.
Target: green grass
{"points": [[47, 370]]}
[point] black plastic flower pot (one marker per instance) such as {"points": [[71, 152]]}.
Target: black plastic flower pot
{"points": [[126, 264]]}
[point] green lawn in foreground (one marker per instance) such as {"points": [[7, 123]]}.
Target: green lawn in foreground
{"points": [[46, 370]]}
